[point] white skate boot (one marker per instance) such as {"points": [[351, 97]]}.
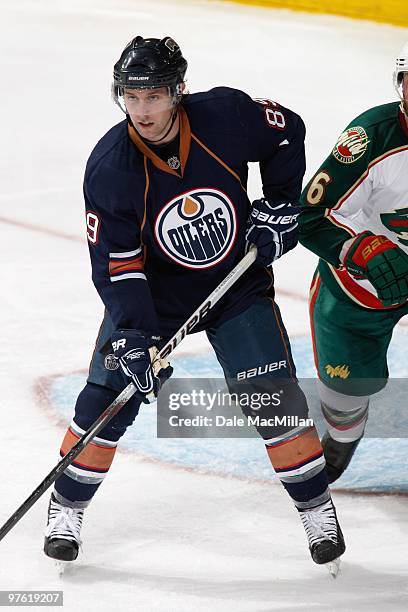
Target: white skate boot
{"points": [[326, 541], [62, 534]]}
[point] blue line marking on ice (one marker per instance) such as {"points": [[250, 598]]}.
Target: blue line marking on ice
{"points": [[379, 464]]}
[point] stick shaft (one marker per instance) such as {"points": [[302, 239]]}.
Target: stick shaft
{"points": [[128, 392]]}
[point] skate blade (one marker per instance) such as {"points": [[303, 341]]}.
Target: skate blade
{"points": [[62, 567], [334, 568]]}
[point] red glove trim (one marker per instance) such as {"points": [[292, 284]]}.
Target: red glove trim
{"points": [[370, 247]]}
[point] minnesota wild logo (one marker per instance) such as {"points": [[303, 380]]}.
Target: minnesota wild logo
{"points": [[342, 371], [397, 222], [351, 145]]}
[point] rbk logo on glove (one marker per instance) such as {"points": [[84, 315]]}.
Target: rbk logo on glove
{"points": [[137, 355], [134, 355]]}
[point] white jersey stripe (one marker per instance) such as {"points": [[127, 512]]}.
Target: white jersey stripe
{"points": [[128, 275], [126, 254]]}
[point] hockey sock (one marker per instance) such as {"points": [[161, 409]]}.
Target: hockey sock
{"points": [[298, 460], [80, 481], [345, 415], [345, 426]]}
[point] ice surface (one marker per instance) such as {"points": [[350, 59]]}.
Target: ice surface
{"points": [[246, 457], [162, 537]]}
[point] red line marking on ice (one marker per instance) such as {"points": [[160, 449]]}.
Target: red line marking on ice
{"points": [[56, 234], [41, 230], [291, 295]]}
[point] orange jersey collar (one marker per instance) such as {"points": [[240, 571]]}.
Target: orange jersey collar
{"points": [[185, 143]]}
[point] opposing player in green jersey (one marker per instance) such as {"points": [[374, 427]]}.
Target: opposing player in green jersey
{"points": [[355, 218]]}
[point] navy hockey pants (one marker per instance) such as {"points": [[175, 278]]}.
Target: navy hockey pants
{"points": [[254, 351]]}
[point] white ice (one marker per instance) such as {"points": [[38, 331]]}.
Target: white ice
{"points": [[159, 537]]}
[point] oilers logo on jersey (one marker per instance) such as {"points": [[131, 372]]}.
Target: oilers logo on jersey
{"points": [[197, 229]]}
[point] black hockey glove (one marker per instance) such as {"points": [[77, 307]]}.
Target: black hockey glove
{"points": [[273, 228], [136, 352]]}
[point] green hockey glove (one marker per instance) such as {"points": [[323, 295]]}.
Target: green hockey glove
{"points": [[383, 263]]}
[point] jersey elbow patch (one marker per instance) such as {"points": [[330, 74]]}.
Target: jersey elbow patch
{"points": [[123, 266]]}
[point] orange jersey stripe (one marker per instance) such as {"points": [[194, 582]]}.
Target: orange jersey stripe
{"points": [[93, 456], [219, 160], [145, 197], [184, 149], [296, 451], [116, 267]]}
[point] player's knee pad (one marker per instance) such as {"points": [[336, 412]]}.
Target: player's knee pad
{"points": [[93, 400], [345, 415]]}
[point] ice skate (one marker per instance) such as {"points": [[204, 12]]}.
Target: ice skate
{"points": [[62, 534], [326, 542], [338, 455]]}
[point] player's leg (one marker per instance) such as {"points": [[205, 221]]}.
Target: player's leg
{"points": [[350, 348], [76, 487], [346, 417], [255, 342]]}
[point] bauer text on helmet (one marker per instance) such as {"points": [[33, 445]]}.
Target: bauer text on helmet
{"points": [[147, 64]]}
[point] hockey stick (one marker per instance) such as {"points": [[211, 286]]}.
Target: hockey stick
{"points": [[129, 391]]}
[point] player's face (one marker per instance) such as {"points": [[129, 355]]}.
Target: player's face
{"points": [[405, 91], [150, 110]]}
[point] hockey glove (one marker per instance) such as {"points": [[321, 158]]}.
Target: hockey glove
{"points": [[136, 352], [273, 228], [380, 261]]}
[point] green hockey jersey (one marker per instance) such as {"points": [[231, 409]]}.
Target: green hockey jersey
{"points": [[362, 185]]}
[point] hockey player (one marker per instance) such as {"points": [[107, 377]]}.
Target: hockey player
{"points": [[354, 216], [167, 213]]}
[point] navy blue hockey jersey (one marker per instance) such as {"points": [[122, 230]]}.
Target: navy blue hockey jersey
{"points": [[161, 241]]}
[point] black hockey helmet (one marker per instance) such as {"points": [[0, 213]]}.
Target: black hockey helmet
{"points": [[149, 63]]}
